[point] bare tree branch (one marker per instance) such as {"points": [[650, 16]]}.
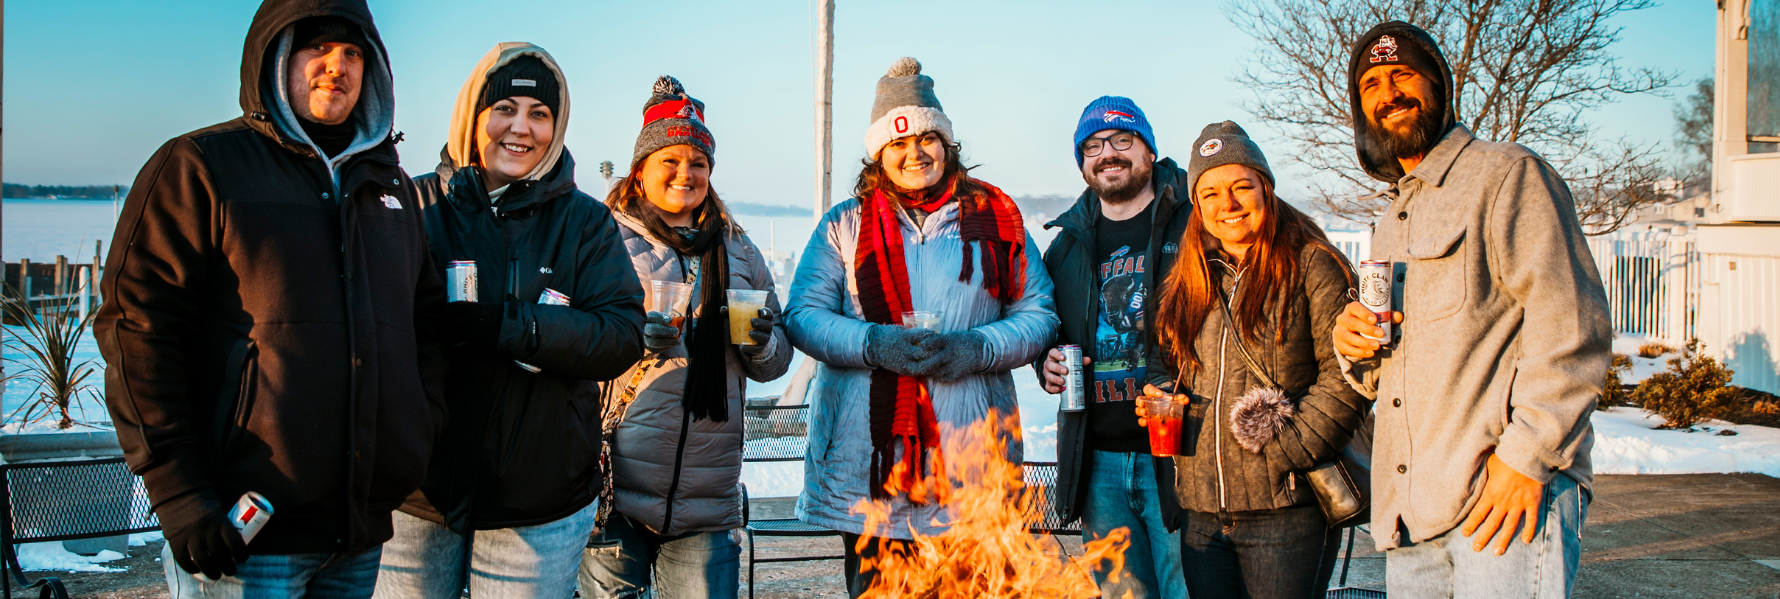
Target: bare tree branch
{"points": [[1526, 71]]}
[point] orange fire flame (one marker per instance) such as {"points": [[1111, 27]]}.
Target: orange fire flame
{"points": [[989, 549]]}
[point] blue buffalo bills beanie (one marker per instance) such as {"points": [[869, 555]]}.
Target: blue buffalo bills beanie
{"points": [[1112, 112]]}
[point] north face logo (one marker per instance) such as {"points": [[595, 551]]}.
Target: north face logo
{"points": [[391, 202]]}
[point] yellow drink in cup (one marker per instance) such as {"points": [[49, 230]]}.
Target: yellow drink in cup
{"points": [[744, 307]]}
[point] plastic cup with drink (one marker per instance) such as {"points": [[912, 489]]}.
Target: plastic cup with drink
{"points": [[744, 307], [1162, 416], [921, 319], [670, 298]]}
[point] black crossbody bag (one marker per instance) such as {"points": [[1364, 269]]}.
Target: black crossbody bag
{"points": [[1343, 486]]}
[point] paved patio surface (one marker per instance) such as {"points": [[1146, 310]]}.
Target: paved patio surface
{"points": [[1648, 536]]}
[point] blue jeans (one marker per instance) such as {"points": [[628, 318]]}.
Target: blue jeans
{"points": [[1447, 568], [701, 565], [298, 576], [1286, 553], [1122, 494], [428, 561]]}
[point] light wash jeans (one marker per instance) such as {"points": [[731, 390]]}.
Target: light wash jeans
{"points": [[1122, 494], [705, 565], [428, 561], [298, 576], [1445, 567]]}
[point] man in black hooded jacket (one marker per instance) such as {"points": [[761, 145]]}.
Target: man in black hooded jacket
{"points": [[268, 319]]}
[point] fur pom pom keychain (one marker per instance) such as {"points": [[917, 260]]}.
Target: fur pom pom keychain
{"points": [[1259, 416]]}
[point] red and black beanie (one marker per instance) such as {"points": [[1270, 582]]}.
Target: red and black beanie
{"points": [[672, 118]]}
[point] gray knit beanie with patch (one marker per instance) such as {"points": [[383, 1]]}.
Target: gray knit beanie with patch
{"points": [[672, 118], [1225, 143], [905, 106]]}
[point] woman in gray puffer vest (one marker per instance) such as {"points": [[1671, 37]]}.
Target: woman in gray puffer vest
{"points": [[1245, 446], [675, 418]]}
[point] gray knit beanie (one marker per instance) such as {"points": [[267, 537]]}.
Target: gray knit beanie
{"points": [[905, 106], [672, 118], [1225, 143]]}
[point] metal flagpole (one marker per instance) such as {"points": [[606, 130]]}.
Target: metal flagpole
{"points": [[824, 107]]}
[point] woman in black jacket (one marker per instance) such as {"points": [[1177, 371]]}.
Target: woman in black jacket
{"points": [[1252, 527], [508, 503]]}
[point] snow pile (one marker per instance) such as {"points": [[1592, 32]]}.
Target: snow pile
{"points": [[1642, 368], [38, 557], [1626, 442]]}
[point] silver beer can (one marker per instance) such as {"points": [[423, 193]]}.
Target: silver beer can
{"points": [[550, 297], [1075, 396], [460, 281], [250, 514], [1375, 293]]}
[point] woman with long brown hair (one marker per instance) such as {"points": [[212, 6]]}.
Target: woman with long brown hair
{"points": [[674, 419], [1257, 278]]}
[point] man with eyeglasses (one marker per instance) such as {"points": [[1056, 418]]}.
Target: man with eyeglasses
{"points": [[1102, 263]]}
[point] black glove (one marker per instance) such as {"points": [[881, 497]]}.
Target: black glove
{"points": [[200, 536], [762, 335], [473, 323], [900, 350], [961, 353], [659, 334]]}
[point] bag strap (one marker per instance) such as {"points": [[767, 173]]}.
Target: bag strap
{"points": [[1242, 348]]}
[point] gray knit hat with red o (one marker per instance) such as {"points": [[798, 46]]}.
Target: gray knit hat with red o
{"points": [[672, 118]]}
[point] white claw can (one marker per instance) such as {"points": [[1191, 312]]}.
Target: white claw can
{"points": [[550, 297], [460, 281], [1075, 397], [250, 514], [1375, 293]]}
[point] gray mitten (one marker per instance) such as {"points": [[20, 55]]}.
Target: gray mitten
{"points": [[961, 353], [659, 333], [760, 332], [900, 350]]}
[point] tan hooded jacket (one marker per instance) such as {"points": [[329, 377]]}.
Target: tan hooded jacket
{"points": [[460, 145]]}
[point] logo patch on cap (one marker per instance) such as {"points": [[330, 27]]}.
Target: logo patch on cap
{"points": [[1385, 50], [1211, 146], [1117, 116], [525, 83]]}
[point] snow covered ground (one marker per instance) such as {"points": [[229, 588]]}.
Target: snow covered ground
{"points": [[38, 557]]}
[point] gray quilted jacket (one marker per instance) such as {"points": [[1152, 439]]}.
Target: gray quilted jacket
{"points": [[825, 321], [673, 474]]}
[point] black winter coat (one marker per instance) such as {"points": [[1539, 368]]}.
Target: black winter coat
{"points": [[1215, 472], [1071, 262], [263, 335], [523, 448]]}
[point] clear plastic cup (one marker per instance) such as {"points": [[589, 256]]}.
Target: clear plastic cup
{"points": [[921, 319], [1162, 417], [744, 306], [670, 298]]}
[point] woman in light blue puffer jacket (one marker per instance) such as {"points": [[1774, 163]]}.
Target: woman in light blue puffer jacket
{"points": [[921, 236]]}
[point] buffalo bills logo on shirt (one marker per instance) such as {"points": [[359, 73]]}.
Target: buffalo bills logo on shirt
{"points": [[1385, 50], [1211, 146], [1113, 116]]}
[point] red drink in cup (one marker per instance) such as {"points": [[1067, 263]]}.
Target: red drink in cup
{"points": [[1162, 418]]}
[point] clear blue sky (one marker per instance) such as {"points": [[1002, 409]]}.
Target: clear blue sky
{"points": [[94, 86]]}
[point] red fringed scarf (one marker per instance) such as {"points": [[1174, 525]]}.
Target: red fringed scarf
{"points": [[901, 407]]}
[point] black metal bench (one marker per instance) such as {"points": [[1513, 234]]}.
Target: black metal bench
{"points": [[63, 501], [776, 434]]}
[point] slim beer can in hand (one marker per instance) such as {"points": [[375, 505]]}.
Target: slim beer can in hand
{"points": [[550, 297], [461, 281], [1075, 397], [1375, 293], [248, 516]]}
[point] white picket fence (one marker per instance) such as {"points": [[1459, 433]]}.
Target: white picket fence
{"points": [[1652, 280]]}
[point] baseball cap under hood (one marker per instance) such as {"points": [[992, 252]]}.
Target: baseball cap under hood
{"points": [[1375, 163]]}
